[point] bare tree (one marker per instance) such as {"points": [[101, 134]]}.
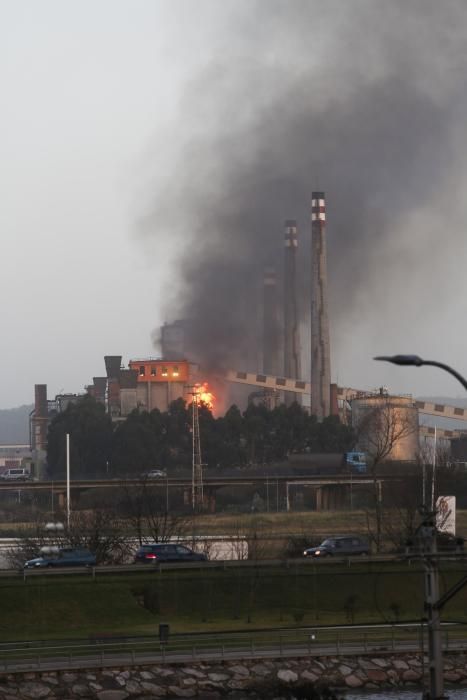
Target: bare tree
{"points": [[383, 426], [147, 513], [401, 513], [98, 530]]}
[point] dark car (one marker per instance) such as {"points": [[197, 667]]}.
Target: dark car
{"points": [[159, 553], [344, 546], [67, 556]]}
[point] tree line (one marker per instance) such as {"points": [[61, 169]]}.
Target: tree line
{"points": [[145, 440]]}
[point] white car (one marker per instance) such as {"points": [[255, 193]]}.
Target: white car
{"points": [[18, 474], [155, 474]]}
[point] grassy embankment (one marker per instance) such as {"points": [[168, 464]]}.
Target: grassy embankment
{"points": [[318, 523], [47, 607], [214, 600]]}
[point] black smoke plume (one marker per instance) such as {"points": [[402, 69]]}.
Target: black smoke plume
{"points": [[361, 99]]}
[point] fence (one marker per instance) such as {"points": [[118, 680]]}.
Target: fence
{"points": [[321, 641]]}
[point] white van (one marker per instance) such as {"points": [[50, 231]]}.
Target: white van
{"points": [[16, 474]]}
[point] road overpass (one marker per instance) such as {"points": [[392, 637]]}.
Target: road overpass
{"points": [[331, 490]]}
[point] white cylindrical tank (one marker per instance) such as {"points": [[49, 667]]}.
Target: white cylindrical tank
{"points": [[388, 425]]}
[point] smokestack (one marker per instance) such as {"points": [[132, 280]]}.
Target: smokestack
{"points": [[270, 323], [100, 388], [112, 365], [292, 367], [320, 347]]}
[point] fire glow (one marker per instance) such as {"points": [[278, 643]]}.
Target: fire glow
{"points": [[204, 395]]}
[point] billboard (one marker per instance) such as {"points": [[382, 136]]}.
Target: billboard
{"points": [[446, 514]]}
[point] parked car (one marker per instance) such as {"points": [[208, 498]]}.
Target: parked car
{"points": [[155, 474], [66, 556], [16, 474], [159, 553], [343, 545]]}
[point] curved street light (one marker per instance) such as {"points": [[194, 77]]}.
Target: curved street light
{"points": [[433, 602], [416, 361]]}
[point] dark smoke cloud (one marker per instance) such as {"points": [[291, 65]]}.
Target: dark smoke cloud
{"points": [[360, 99]]}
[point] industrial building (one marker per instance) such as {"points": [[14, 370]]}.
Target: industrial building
{"points": [[153, 383], [147, 383]]}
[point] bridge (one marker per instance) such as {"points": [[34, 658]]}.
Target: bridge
{"points": [[331, 490]]}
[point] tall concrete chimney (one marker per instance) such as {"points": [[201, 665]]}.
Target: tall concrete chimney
{"points": [[320, 346], [270, 323], [292, 367]]}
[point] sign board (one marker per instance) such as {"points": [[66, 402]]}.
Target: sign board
{"points": [[446, 514]]}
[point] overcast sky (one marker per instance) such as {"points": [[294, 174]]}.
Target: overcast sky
{"points": [[106, 104]]}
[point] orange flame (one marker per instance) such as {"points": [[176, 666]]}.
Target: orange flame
{"points": [[204, 395]]}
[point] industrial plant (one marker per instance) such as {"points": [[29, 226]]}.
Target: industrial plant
{"points": [[154, 383]]}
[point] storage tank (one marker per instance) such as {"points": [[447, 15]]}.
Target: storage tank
{"points": [[386, 424]]}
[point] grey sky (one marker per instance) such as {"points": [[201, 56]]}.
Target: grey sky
{"points": [[112, 109]]}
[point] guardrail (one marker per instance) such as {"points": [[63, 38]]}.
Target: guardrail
{"points": [[319, 641], [224, 564]]}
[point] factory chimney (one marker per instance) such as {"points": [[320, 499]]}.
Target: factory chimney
{"points": [[292, 367], [320, 346], [270, 323]]}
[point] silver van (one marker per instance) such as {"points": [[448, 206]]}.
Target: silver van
{"points": [[16, 474]]}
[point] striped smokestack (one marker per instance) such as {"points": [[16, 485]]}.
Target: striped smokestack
{"points": [[270, 322], [292, 367], [320, 347]]}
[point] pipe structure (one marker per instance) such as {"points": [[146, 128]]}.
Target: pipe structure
{"points": [[320, 343], [292, 368]]}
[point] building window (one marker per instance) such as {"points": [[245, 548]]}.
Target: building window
{"points": [[175, 372], [164, 371], [153, 371], [141, 371]]}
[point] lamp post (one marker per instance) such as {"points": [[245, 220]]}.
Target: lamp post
{"points": [[68, 480], [433, 602], [416, 361]]}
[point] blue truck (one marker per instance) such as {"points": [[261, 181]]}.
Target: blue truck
{"points": [[355, 462]]}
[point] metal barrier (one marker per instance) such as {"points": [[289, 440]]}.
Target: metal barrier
{"points": [[320, 641]]}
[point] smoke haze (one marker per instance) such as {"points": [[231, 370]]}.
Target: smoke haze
{"points": [[364, 100]]}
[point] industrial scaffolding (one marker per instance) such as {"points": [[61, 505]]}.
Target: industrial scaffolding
{"points": [[197, 494]]}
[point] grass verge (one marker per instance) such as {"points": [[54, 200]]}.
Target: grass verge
{"points": [[56, 607]]}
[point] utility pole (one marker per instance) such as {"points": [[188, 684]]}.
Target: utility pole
{"points": [[434, 603], [197, 493], [68, 500], [427, 539]]}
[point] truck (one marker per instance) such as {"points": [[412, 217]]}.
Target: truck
{"points": [[355, 462]]}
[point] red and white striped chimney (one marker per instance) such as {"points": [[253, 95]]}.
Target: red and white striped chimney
{"points": [[320, 344]]}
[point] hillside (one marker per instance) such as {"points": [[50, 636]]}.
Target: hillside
{"points": [[14, 425]]}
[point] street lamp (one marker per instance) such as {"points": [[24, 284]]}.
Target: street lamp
{"points": [[416, 361], [433, 602]]}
